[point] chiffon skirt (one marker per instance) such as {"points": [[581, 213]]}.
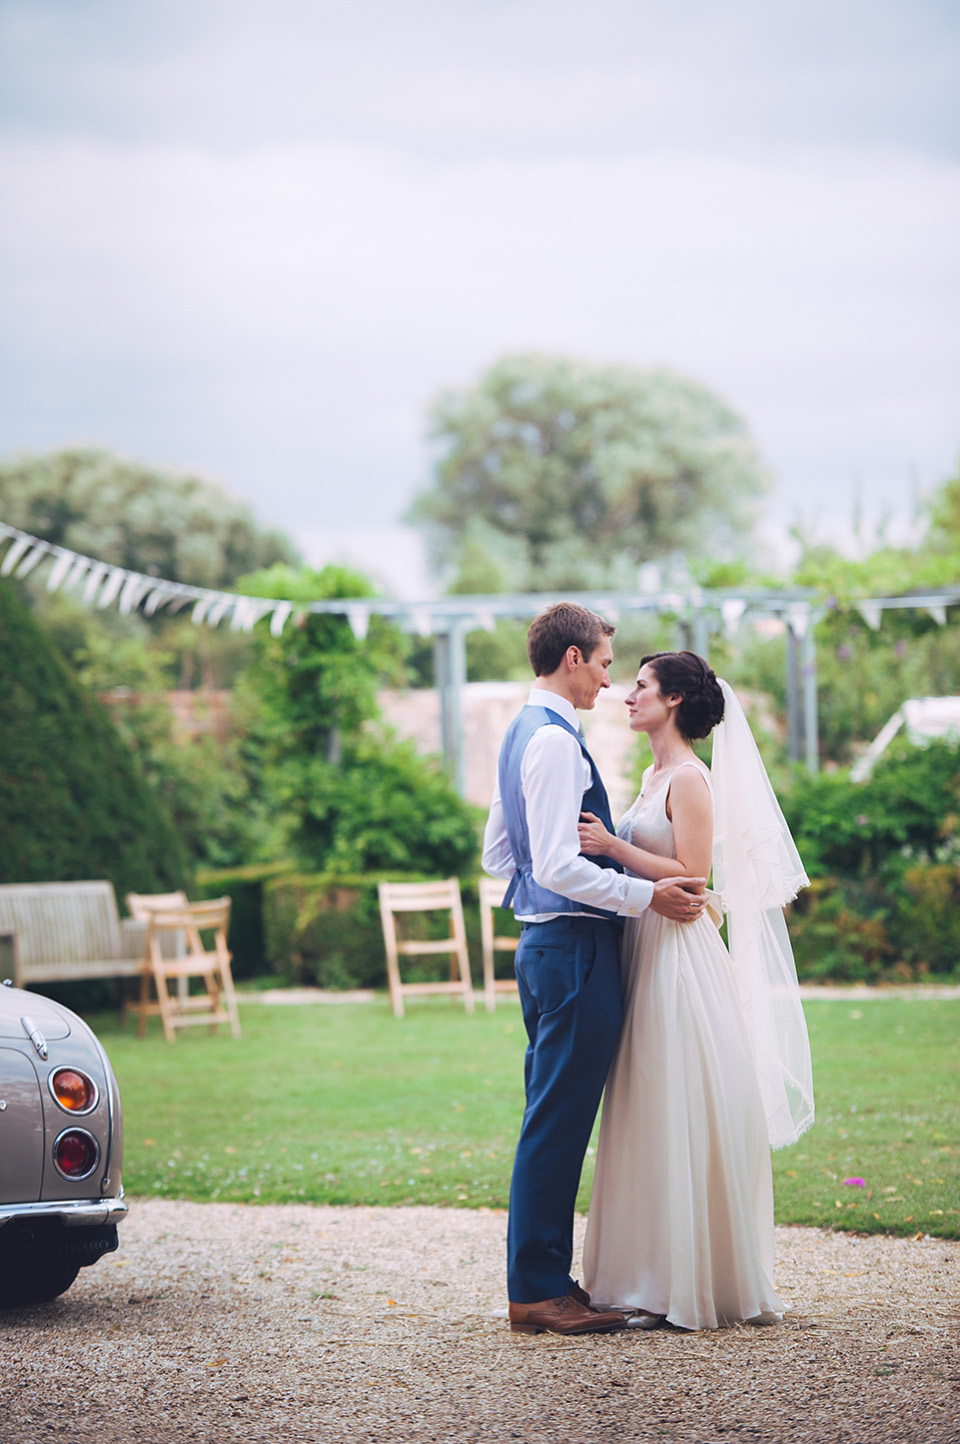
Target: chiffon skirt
{"points": [[681, 1217]]}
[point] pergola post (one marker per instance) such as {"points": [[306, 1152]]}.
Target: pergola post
{"points": [[811, 730], [450, 675], [793, 709], [701, 633], [693, 633]]}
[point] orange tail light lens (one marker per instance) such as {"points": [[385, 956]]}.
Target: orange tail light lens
{"points": [[73, 1091]]}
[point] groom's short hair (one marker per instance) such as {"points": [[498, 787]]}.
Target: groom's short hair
{"points": [[563, 625]]}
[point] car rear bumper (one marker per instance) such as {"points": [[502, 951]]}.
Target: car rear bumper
{"points": [[79, 1213]]}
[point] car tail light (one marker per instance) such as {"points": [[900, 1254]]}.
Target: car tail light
{"points": [[73, 1090], [75, 1153]]}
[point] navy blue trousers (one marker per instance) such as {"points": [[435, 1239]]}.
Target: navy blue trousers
{"points": [[568, 972]]}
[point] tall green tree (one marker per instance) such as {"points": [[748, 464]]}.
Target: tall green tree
{"points": [[140, 517], [554, 473], [145, 519]]}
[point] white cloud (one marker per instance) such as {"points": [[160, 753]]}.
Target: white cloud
{"points": [[262, 241]]}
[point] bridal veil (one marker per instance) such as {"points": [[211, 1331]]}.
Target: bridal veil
{"points": [[757, 870]]}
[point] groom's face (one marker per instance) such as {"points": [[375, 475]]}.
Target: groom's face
{"points": [[592, 675]]}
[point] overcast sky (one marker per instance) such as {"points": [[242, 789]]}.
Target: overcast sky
{"points": [[256, 239]]}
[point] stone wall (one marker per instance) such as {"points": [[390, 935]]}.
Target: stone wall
{"points": [[487, 709]]}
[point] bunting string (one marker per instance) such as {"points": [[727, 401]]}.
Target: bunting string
{"points": [[102, 584], [105, 584]]}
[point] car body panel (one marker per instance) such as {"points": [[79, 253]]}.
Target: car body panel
{"points": [[15, 1005], [50, 1224], [21, 1128]]}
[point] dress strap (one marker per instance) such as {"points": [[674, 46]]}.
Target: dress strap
{"points": [[701, 767]]}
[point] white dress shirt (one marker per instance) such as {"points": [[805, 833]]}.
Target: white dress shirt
{"points": [[554, 775]]}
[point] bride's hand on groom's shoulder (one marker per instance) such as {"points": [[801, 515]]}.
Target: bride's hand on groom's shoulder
{"points": [[595, 840], [681, 899]]}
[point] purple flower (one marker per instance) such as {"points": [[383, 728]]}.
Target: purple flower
{"points": [[861, 819], [854, 1183]]}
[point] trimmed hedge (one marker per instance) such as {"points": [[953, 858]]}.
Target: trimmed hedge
{"points": [[324, 931], [245, 887], [72, 802], [320, 930]]}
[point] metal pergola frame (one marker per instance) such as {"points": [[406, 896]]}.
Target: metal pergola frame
{"points": [[698, 613]]}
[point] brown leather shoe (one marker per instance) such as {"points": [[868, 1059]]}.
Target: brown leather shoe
{"points": [[565, 1315], [581, 1295]]}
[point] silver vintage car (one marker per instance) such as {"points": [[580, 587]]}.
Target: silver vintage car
{"points": [[61, 1148]]}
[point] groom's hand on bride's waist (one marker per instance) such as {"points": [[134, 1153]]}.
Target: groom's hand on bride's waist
{"points": [[681, 899]]}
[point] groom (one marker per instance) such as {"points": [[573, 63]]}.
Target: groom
{"points": [[567, 964]]}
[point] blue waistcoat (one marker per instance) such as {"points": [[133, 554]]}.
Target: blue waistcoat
{"points": [[526, 895]]}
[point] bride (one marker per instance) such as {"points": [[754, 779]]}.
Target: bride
{"points": [[713, 1063]]}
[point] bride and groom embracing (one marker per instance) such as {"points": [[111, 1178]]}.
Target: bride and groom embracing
{"points": [[626, 984]]}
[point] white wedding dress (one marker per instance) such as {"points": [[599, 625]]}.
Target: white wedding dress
{"points": [[681, 1217]]}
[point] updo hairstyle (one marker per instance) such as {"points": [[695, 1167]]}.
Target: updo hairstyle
{"points": [[690, 676]]}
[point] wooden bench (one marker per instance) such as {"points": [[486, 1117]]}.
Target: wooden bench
{"points": [[60, 931]]}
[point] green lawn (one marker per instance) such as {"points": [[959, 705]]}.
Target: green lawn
{"points": [[344, 1104], [887, 1087]]}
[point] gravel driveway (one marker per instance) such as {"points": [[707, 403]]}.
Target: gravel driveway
{"points": [[300, 1323]]}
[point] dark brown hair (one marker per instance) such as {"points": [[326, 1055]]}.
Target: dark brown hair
{"points": [[563, 625], [693, 678]]}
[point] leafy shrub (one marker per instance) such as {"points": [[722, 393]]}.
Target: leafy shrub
{"points": [[911, 801], [899, 930], [834, 939], [383, 806], [864, 675], [882, 854], [351, 796], [927, 927]]}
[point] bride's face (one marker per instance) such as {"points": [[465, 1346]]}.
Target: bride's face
{"points": [[647, 707]]}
